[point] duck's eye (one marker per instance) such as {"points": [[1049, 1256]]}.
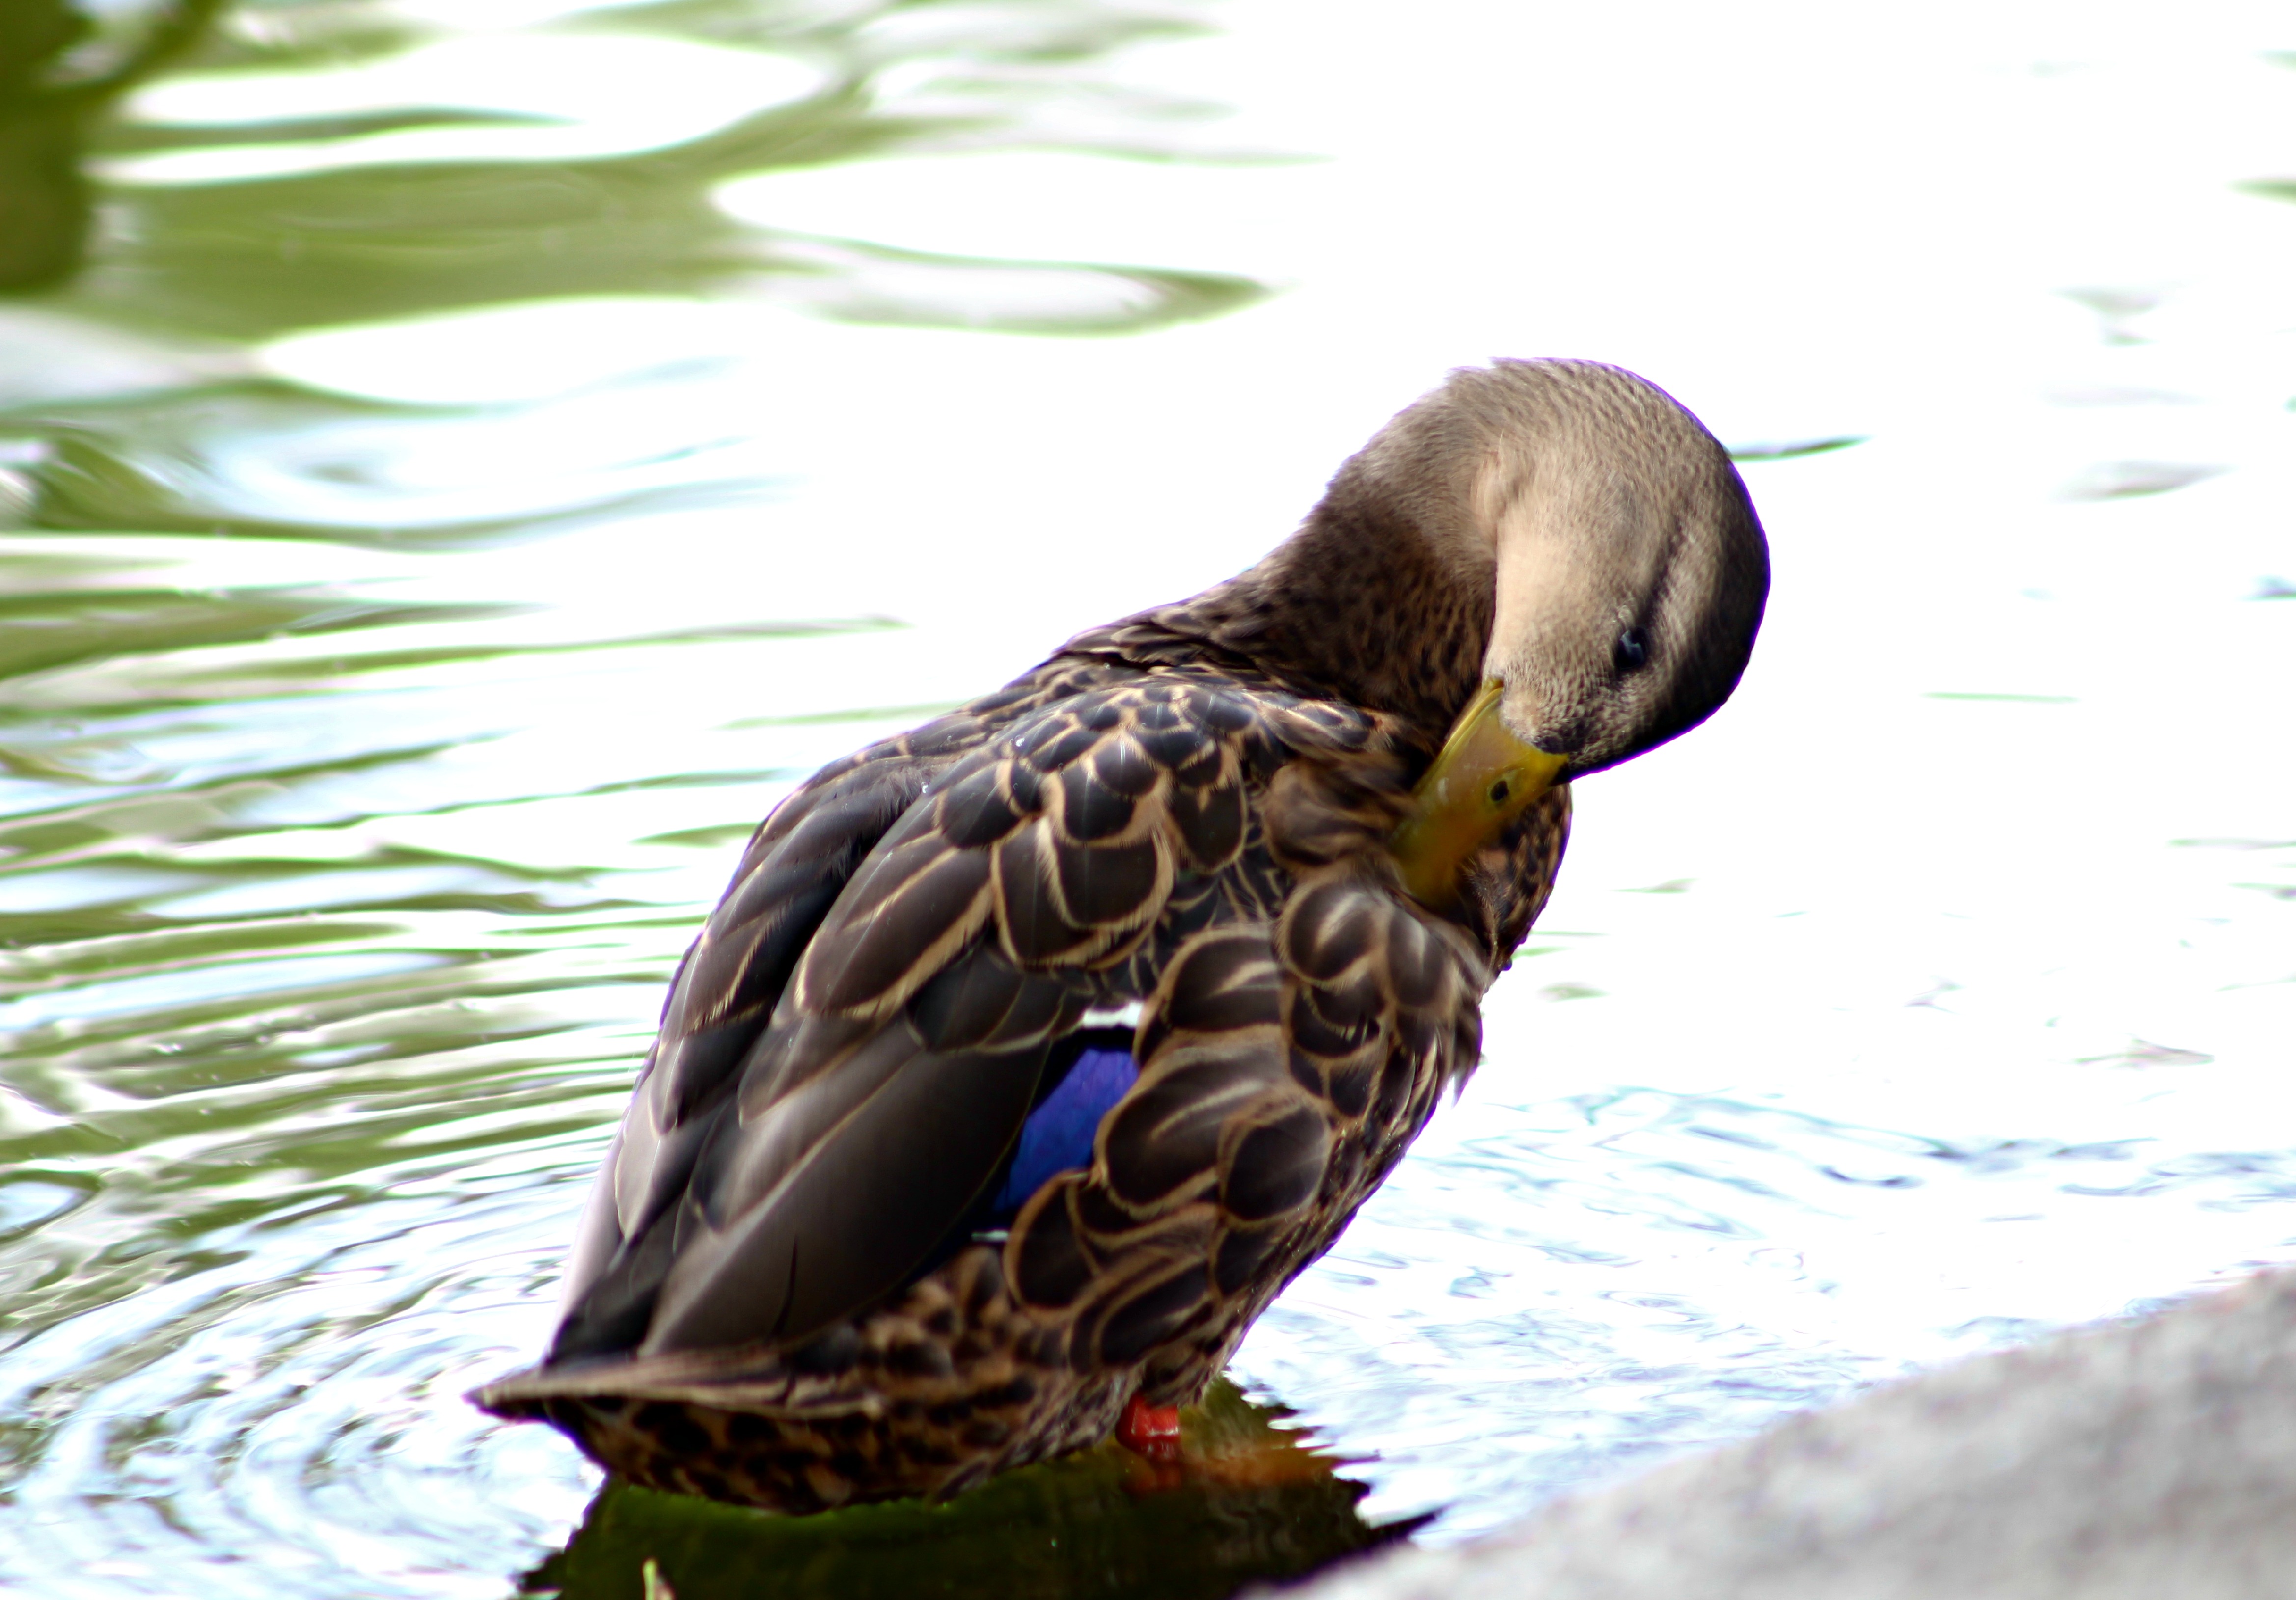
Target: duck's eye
{"points": [[1632, 649], [1500, 790]]}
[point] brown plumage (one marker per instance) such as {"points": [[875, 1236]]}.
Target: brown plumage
{"points": [[793, 1286]]}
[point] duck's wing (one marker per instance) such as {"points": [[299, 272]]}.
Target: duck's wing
{"points": [[850, 1050], [1285, 1065], [797, 863], [719, 1004]]}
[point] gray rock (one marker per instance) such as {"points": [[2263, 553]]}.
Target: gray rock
{"points": [[2151, 1458]]}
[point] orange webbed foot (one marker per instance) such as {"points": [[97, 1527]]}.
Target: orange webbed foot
{"points": [[1150, 1431]]}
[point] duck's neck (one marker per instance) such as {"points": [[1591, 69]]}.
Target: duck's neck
{"points": [[1358, 605]]}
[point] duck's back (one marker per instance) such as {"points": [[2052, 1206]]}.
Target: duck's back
{"points": [[888, 1154]]}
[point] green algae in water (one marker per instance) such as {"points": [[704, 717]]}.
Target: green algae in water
{"points": [[1251, 1505]]}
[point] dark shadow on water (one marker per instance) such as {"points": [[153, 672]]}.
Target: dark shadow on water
{"points": [[1250, 1503], [45, 206]]}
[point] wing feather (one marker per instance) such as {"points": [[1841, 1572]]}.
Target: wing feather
{"points": [[853, 1046], [850, 1049], [801, 1243], [1283, 1069]]}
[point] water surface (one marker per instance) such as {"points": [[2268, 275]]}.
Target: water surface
{"points": [[461, 466]]}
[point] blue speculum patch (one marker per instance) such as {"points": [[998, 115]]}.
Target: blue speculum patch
{"points": [[1057, 1136]]}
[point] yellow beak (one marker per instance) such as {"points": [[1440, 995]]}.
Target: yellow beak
{"points": [[1483, 780]]}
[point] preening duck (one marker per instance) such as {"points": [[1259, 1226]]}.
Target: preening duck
{"points": [[1031, 1053]]}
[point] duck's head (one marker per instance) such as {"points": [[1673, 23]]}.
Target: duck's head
{"points": [[1627, 568]]}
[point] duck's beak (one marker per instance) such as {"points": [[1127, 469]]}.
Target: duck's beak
{"points": [[1483, 780]]}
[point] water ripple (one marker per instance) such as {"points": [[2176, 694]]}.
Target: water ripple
{"points": [[439, 521]]}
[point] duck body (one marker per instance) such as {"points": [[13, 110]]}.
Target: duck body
{"points": [[1032, 1052]]}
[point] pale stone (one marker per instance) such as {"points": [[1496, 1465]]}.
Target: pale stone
{"points": [[2153, 1459]]}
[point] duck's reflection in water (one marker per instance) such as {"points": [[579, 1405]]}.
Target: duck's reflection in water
{"points": [[1247, 1502]]}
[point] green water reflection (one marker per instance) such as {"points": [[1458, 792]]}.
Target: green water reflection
{"points": [[250, 258], [45, 109], [1252, 1505], [338, 880]]}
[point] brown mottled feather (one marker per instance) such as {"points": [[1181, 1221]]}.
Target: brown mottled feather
{"points": [[782, 1291], [849, 1052]]}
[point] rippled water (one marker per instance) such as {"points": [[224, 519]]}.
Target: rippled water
{"points": [[491, 451]]}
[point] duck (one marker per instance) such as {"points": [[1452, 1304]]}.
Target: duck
{"points": [[1032, 1052]]}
